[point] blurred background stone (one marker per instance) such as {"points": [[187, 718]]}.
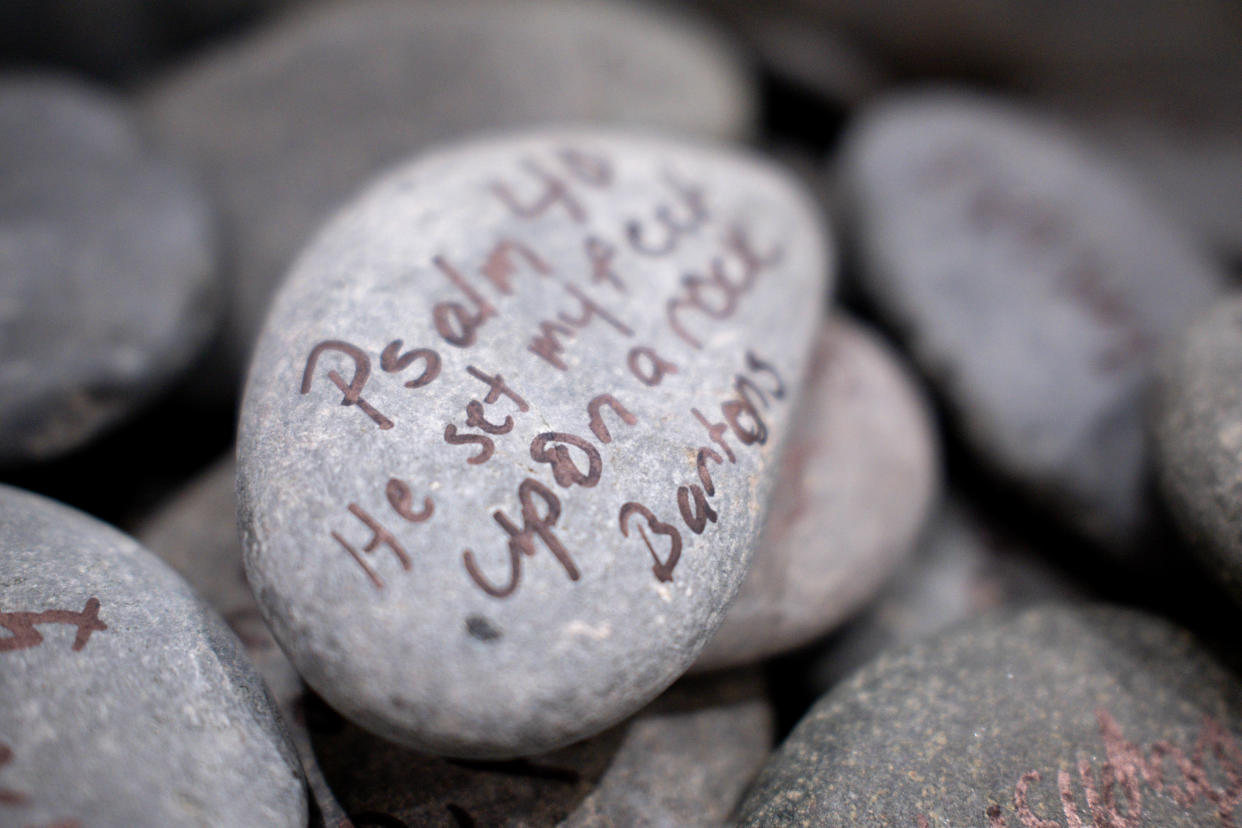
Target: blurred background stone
{"points": [[858, 477], [106, 248], [292, 119]]}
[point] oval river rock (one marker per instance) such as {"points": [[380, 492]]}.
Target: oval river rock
{"points": [[107, 254], [511, 426], [1197, 434], [1031, 284], [126, 700], [1056, 717]]}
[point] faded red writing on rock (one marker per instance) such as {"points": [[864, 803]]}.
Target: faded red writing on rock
{"points": [[557, 186], [1001, 207], [1205, 779], [22, 626]]}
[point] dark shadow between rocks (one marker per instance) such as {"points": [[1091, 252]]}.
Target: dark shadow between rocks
{"points": [[123, 474], [383, 785]]}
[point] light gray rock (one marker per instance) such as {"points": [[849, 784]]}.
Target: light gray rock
{"points": [[1031, 284], [567, 360], [1052, 718], [857, 481], [1197, 434], [966, 564], [106, 249], [196, 533], [127, 701], [293, 118], [685, 760]]}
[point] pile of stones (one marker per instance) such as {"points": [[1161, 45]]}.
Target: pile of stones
{"points": [[593, 413]]}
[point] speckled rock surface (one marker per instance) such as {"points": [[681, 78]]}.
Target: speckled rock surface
{"points": [[857, 480], [568, 361], [685, 760], [967, 563], [1032, 287], [1197, 433], [196, 533], [299, 115], [106, 250], [127, 701], [1050, 718]]}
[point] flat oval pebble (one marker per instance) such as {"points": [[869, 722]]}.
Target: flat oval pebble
{"points": [[1031, 285], [292, 118], [858, 476], [684, 760], [1052, 718], [127, 701], [1197, 433], [511, 426], [108, 261], [195, 533]]}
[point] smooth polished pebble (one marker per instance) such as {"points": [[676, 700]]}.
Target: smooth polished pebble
{"points": [[107, 250], [127, 701], [857, 481], [1032, 286]]}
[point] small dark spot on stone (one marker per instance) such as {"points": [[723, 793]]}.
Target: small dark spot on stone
{"points": [[481, 628]]}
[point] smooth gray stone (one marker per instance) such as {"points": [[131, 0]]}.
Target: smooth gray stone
{"points": [[127, 701], [106, 249], [966, 564], [684, 760], [1050, 718], [196, 534], [1197, 434], [857, 481], [290, 120], [1031, 284], [535, 585]]}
